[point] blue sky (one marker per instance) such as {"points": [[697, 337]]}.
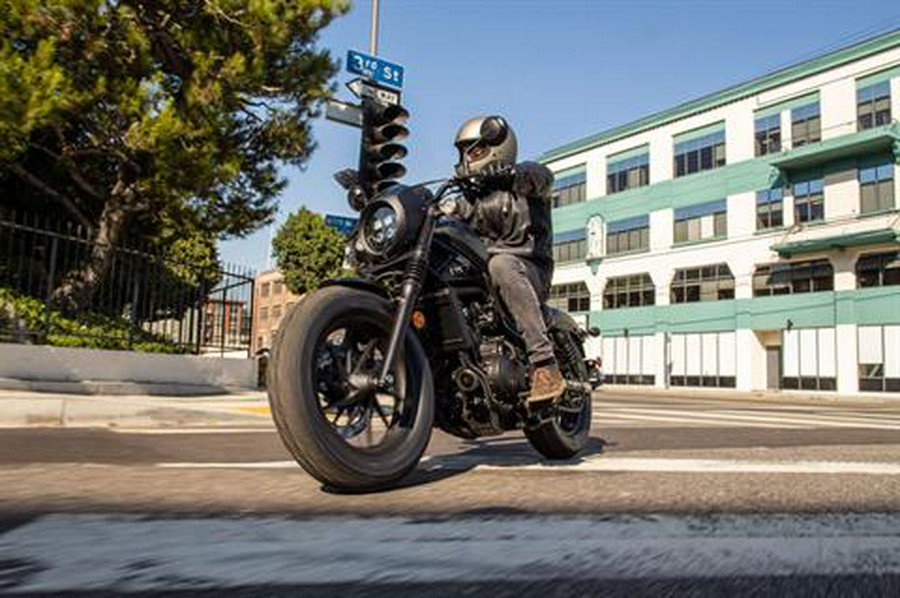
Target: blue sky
{"points": [[558, 70]]}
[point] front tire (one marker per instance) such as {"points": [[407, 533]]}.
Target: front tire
{"points": [[329, 336]]}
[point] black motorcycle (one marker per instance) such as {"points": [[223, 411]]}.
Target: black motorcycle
{"points": [[362, 368]]}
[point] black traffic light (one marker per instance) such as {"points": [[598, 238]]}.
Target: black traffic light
{"points": [[383, 127]]}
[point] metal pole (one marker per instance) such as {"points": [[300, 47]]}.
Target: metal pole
{"points": [[51, 282], [373, 34]]}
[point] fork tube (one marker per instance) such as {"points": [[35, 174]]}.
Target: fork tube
{"points": [[414, 277]]}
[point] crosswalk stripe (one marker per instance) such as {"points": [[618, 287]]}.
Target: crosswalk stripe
{"points": [[842, 416], [807, 420], [708, 421]]}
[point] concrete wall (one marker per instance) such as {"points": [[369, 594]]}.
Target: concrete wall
{"points": [[89, 369]]}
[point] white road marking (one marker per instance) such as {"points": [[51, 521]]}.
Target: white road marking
{"points": [[229, 465], [131, 554], [702, 416], [602, 463], [667, 465], [696, 422], [207, 430]]}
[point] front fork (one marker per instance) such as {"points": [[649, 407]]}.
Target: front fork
{"points": [[413, 279]]}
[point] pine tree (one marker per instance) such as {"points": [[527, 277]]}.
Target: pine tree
{"points": [[175, 111]]}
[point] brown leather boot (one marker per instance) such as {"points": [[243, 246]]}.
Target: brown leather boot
{"points": [[547, 384]]}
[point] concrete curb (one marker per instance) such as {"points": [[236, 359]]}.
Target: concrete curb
{"points": [[109, 387], [22, 409]]}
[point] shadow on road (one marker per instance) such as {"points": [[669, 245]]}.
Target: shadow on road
{"points": [[493, 452]]}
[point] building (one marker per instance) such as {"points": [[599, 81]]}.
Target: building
{"points": [[270, 304], [226, 326], [747, 239]]}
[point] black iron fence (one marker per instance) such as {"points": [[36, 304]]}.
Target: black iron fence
{"points": [[141, 301]]}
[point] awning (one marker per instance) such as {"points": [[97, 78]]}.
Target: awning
{"points": [[871, 237], [869, 141]]}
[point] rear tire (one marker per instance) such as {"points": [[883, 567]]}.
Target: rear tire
{"points": [[296, 393], [566, 433]]}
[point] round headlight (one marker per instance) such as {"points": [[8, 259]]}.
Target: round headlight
{"points": [[381, 228]]}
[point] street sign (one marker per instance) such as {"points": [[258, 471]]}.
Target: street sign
{"points": [[362, 88], [377, 69], [342, 224], [344, 113]]}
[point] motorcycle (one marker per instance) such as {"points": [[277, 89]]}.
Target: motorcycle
{"points": [[363, 368]]}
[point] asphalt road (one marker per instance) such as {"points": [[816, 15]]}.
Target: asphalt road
{"points": [[792, 497], [646, 455]]}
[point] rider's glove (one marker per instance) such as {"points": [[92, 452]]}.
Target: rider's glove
{"points": [[497, 177]]}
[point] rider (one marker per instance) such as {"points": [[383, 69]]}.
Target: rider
{"points": [[511, 212]]}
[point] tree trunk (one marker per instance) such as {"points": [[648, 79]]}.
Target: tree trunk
{"points": [[76, 292]]}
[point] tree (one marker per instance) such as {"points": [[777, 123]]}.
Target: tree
{"points": [[308, 251], [175, 113]]}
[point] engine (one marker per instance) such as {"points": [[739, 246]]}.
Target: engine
{"points": [[506, 375]]}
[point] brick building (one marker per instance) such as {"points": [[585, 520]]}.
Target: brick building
{"points": [[270, 305]]}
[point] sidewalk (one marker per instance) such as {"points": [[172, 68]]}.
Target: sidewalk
{"points": [[28, 408], [20, 408], [762, 396]]}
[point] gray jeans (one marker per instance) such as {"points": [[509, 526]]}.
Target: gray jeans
{"points": [[524, 286]]}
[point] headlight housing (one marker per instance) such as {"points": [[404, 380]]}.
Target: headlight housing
{"points": [[391, 221], [381, 228]]}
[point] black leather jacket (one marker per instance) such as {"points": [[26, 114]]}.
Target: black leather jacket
{"points": [[517, 220]]}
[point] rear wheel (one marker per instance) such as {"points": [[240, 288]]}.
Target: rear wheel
{"points": [[339, 427], [564, 432]]}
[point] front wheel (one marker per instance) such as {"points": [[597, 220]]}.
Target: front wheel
{"points": [[565, 432], [335, 423]]}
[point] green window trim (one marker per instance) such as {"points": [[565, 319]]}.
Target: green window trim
{"points": [[630, 153], [716, 127], [879, 77], [790, 104], [573, 173]]}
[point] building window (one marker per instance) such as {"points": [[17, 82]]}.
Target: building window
{"points": [[263, 314], [628, 236], [793, 277], [277, 287], [809, 201], [706, 283], [629, 359], [572, 298], [876, 188], [873, 105], [769, 208], [768, 134], [702, 221], [703, 153], [806, 125], [569, 251], [879, 358], [264, 289], [570, 187], [703, 359], [627, 173], [276, 312], [878, 269], [809, 359], [629, 291]]}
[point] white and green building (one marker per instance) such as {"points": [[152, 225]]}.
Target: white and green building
{"points": [[749, 239]]}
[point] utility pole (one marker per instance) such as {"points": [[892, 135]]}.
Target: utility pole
{"points": [[373, 33]]}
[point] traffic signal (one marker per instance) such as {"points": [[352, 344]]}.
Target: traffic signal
{"points": [[383, 127]]}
